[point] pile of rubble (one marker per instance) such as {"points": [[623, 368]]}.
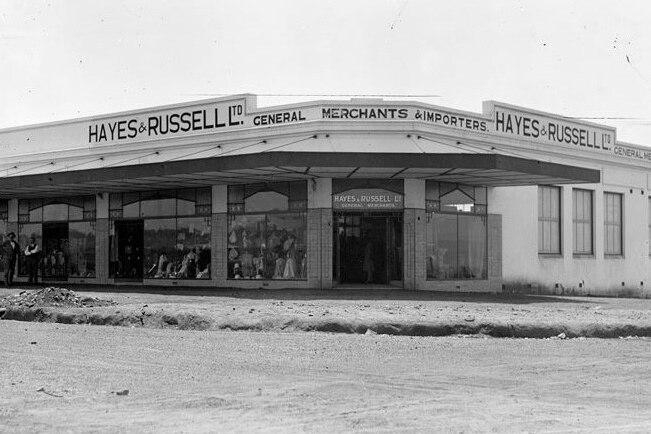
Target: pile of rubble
{"points": [[52, 297]]}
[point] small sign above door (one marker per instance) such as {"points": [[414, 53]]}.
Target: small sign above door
{"points": [[367, 199]]}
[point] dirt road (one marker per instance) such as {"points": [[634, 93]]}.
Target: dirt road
{"points": [[75, 378]]}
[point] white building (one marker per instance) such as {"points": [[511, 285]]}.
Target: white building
{"points": [[221, 193]]}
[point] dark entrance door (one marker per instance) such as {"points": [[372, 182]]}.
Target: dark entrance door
{"points": [[368, 248], [128, 245], [54, 258]]}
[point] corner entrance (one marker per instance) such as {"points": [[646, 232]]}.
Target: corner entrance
{"points": [[368, 248]]}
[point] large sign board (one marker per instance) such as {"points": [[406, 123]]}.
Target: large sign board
{"points": [[499, 120], [232, 115], [367, 199], [169, 123], [550, 130]]}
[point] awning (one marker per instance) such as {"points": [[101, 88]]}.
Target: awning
{"points": [[473, 169]]}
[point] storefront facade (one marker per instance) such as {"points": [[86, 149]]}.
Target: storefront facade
{"points": [[362, 193]]}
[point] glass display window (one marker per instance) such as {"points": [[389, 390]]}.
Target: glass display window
{"points": [[172, 228], [81, 248], [267, 231], [456, 238], [65, 230]]}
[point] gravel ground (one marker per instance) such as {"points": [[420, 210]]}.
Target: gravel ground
{"points": [[58, 378], [345, 311]]}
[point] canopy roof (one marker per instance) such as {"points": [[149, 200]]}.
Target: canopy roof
{"points": [[473, 169]]}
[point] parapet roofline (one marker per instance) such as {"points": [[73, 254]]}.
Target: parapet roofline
{"points": [[253, 108]]}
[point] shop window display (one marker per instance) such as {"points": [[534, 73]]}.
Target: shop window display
{"points": [[456, 231], [175, 231], [267, 231], [82, 249]]}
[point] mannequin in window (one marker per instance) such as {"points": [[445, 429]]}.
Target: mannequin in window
{"points": [[290, 253]]}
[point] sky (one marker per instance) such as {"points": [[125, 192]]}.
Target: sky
{"points": [[584, 59]]}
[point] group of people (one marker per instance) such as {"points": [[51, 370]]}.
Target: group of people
{"points": [[10, 251]]}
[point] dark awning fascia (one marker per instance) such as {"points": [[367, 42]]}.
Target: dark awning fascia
{"points": [[497, 162]]}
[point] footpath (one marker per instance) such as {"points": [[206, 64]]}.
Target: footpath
{"points": [[369, 311]]}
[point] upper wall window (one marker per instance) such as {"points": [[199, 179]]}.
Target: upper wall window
{"points": [[76, 208], [455, 198], [582, 221], [161, 203], [549, 220], [267, 197], [613, 224], [4, 209]]}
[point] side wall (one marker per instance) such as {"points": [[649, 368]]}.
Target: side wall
{"points": [[525, 270]]}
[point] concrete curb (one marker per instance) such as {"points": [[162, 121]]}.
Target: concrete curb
{"points": [[189, 321]]}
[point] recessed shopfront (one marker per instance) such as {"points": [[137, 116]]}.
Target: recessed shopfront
{"points": [[368, 232], [65, 230], [368, 248]]}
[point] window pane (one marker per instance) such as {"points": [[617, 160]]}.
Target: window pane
{"points": [[555, 198], [582, 221], [266, 201], [157, 207], [35, 210], [286, 246], [75, 212], [55, 212], [115, 201], [480, 195], [193, 246], [81, 249], [431, 190], [442, 246], [587, 238], [235, 194], [131, 205], [161, 260], [472, 247], [555, 237], [457, 201], [613, 223], [185, 202], [246, 235], [204, 196], [549, 219]]}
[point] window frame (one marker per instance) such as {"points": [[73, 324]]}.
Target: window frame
{"points": [[576, 221], [619, 225], [551, 220]]}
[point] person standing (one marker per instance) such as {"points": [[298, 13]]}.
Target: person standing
{"points": [[32, 254], [10, 250]]}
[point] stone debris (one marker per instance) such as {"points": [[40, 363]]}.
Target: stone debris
{"points": [[52, 297]]}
